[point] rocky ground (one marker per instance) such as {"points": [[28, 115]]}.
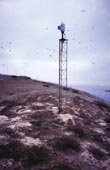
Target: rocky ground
{"points": [[34, 136]]}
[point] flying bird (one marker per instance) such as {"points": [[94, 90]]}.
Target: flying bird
{"points": [[83, 10], [48, 49]]}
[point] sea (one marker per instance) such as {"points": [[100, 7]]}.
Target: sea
{"points": [[102, 92]]}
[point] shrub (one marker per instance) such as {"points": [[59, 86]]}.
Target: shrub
{"points": [[65, 167], [106, 145], [107, 120], [66, 88], [98, 154], [107, 129], [46, 85], [14, 77], [36, 123], [67, 142], [78, 130], [36, 155], [97, 138], [102, 105], [7, 112], [75, 91], [10, 132], [12, 150], [29, 156]]}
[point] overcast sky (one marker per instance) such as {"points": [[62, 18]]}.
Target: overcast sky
{"points": [[29, 39]]}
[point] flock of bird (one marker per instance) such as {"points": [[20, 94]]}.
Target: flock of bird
{"points": [[47, 49]]}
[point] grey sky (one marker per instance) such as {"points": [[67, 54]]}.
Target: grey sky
{"points": [[29, 39]]}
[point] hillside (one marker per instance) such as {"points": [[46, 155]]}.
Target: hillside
{"points": [[33, 136]]}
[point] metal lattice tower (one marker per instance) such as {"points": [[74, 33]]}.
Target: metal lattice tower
{"points": [[63, 51]]}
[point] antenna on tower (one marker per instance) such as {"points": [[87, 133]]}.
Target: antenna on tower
{"points": [[63, 51]]}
